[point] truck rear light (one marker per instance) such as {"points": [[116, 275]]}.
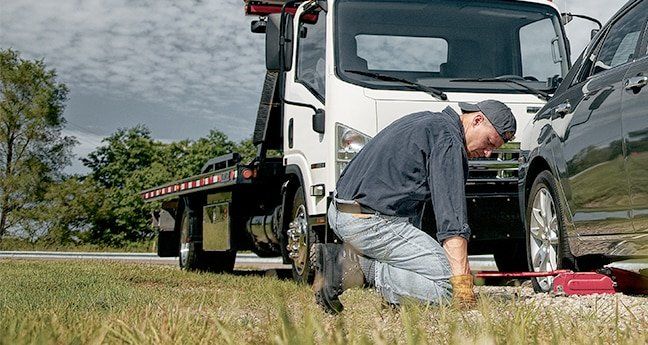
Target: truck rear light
{"points": [[247, 174]]}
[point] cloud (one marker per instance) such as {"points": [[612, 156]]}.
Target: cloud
{"points": [[197, 58], [88, 142]]}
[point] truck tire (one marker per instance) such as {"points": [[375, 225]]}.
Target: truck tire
{"points": [[547, 246], [300, 239], [191, 256], [188, 253], [511, 256]]}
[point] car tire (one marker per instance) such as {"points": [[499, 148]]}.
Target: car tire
{"points": [[300, 239], [191, 255], [546, 244]]}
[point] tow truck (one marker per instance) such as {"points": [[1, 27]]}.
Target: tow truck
{"points": [[339, 71]]}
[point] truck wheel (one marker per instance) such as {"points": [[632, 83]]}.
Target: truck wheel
{"points": [[547, 247], [188, 257], [300, 239], [511, 256], [192, 257]]}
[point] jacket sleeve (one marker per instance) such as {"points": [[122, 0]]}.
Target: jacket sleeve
{"points": [[447, 167]]}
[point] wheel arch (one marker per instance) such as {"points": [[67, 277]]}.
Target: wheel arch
{"points": [[292, 181]]}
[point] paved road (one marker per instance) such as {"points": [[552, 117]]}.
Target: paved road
{"points": [[243, 260]]}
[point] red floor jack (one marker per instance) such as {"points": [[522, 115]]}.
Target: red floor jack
{"points": [[607, 280]]}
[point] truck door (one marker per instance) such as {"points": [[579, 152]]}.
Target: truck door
{"points": [[306, 83]]}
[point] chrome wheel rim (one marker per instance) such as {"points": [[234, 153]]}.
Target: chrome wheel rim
{"points": [[184, 241], [297, 246], [543, 237]]}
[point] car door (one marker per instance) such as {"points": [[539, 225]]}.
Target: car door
{"points": [[592, 145], [635, 131]]}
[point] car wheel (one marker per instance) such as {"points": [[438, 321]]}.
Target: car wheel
{"points": [[300, 239], [547, 248]]}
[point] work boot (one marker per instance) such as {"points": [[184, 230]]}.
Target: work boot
{"points": [[337, 269], [328, 276], [352, 274]]}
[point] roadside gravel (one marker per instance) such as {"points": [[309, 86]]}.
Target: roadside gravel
{"points": [[603, 307]]}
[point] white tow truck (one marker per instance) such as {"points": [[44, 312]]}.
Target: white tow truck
{"points": [[338, 72]]}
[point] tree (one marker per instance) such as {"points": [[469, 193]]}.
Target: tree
{"points": [[32, 149], [247, 150], [69, 209], [131, 161]]}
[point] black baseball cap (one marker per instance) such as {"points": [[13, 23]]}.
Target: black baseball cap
{"points": [[497, 113]]}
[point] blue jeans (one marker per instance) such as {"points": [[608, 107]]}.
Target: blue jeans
{"points": [[408, 262]]}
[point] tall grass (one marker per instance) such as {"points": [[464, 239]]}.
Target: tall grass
{"points": [[95, 303]]}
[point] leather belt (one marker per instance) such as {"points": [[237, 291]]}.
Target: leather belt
{"points": [[353, 208]]}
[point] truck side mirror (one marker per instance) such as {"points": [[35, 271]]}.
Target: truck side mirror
{"points": [[272, 42], [288, 45], [318, 121]]}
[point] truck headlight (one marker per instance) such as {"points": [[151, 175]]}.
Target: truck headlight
{"points": [[348, 143]]}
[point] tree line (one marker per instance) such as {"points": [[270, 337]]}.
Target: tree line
{"points": [[40, 202]]}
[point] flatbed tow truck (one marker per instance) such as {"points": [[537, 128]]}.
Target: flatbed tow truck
{"points": [[338, 72]]}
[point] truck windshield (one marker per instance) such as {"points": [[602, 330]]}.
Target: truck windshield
{"points": [[450, 45]]}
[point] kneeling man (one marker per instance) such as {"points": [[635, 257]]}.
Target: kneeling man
{"points": [[419, 157]]}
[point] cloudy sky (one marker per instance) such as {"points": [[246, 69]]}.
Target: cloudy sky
{"points": [[181, 67]]}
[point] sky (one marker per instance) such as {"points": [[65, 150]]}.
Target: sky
{"points": [[180, 67]]}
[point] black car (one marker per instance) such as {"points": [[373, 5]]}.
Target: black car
{"points": [[584, 178]]}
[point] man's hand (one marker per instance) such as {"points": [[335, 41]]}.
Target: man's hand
{"points": [[462, 291], [456, 249]]}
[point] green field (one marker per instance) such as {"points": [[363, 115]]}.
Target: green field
{"points": [[66, 302]]}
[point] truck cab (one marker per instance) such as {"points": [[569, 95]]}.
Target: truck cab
{"points": [[342, 52]]}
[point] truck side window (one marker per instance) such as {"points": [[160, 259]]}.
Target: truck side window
{"points": [[621, 42], [311, 56]]}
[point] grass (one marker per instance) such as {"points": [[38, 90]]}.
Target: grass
{"points": [[76, 302]]}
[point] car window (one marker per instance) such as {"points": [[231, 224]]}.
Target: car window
{"points": [[621, 41], [311, 55]]}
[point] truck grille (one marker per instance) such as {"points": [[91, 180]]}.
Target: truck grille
{"points": [[501, 167]]}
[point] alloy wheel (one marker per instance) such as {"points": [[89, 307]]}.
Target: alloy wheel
{"points": [[544, 238], [298, 240]]}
